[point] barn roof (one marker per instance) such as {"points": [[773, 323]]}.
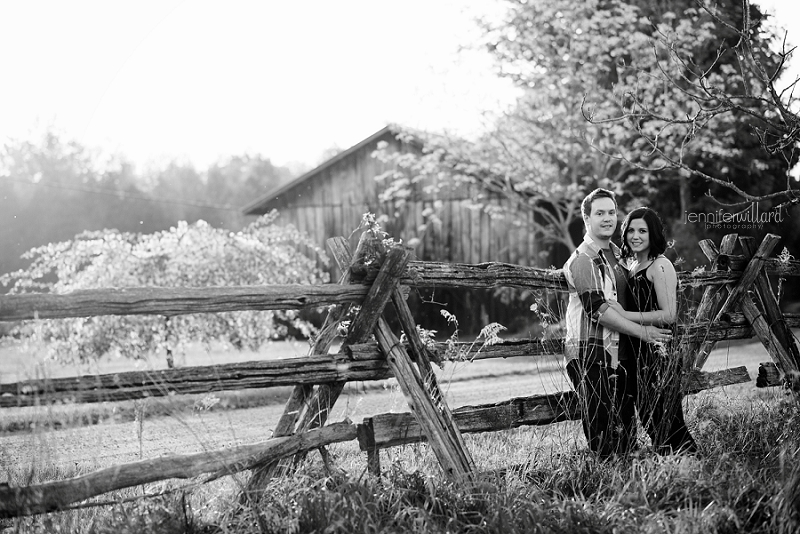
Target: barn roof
{"points": [[264, 203]]}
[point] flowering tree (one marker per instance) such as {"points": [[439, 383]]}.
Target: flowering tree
{"points": [[719, 115], [574, 61], [188, 255]]}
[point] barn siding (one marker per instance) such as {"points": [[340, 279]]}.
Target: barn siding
{"points": [[330, 202]]}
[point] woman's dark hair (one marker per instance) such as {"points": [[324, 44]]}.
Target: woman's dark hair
{"points": [[658, 242]]}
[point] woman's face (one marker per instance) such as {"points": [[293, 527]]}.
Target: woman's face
{"points": [[637, 236]]}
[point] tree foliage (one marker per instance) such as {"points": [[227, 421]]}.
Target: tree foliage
{"points": [[725, 122], [186, 255], [578, 60]]}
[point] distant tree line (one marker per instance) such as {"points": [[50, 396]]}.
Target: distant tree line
{"points": [[52, 189]]}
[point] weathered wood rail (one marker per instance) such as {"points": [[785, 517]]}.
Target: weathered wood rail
{"points": [[360, 362], [319, 378], [57, 495], [178, 301]]}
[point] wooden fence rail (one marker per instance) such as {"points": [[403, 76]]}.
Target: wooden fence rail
{"points": [[360, 362], [374, 433], [57, 495], [178, 301], [373, 286]]}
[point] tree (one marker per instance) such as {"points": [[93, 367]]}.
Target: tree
{"points": [[732, 91], [52, 188], [237, 180], [572, 60], [187, 255]]}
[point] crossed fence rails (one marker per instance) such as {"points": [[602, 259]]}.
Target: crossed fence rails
{"points": [[737, 302]]}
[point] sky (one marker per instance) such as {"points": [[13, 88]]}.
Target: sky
{"points": [[197, 81]]}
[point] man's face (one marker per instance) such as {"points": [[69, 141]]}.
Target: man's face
{"points": [[602, 220]]}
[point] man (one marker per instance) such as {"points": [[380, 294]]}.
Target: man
{"points": [[595, 278]]}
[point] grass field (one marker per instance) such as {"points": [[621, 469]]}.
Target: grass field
{"points": [[534, 479]]}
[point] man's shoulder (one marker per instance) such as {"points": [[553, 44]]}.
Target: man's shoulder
{"points": [[582, 258]]}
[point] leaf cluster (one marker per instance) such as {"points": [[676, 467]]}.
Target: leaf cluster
{"points": [[186, 255]]}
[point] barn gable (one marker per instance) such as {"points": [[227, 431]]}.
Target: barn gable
{"points": [[329, 201]]}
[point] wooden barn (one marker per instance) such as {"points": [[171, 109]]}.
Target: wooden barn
{"points": [[331, 199]]}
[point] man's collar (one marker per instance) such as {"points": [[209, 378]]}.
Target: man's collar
{"points": [[596, 248]]}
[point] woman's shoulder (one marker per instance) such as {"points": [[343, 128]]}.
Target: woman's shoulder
{"points": [[661, 264]]}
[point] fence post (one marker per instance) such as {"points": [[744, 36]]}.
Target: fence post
{"points": [[429, 382], [303, 396], [773, 332], [366, 442], [444, 437], [697, 352]]}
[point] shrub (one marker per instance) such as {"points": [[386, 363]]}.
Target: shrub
{"points": [[188, 255]]}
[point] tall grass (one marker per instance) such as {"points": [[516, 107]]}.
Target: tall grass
{"points": [[745, 479]]}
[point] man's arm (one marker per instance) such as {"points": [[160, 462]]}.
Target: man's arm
{"points": [[665, 281], [589, 286], [652, 334]]}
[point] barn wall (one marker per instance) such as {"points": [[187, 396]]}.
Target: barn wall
{"points": [[332, 202]]}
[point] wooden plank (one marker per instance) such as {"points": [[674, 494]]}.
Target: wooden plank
{"points": [[691, 354], [322, 343], [774, 346], [772, 266], [751, 273], [533, 249], [233, 376], [769, 375], [379, 294], [298, 399], [495, 274], [505, 349], [57, 495], [304, 409], [487, 250], [447, 232], [366, 442], [415, 221], [511, 240], [431, 234], [454, 460], [455, 235], [392, 429], [466, 238], [696, 381], [741, 288], [304, 371], [790, 357], [734, 327], [175, 301], [430, 384], [475, 255]]}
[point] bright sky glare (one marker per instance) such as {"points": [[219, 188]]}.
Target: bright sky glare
{"points": [[200, 80]]}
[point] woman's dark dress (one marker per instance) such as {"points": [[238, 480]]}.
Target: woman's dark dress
{"points": [[657, 386]]}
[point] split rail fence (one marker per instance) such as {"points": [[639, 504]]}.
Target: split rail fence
{"points": [[738, 302]]}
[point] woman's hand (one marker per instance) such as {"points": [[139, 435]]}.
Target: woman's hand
{"points": [[653, 334]]}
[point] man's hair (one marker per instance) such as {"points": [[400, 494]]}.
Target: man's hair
{"points": [[586, 205]]}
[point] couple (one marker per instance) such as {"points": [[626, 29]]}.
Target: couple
{"points": [[621, 306]]}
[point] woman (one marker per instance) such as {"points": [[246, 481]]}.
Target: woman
{"points": [[651, 298]]}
